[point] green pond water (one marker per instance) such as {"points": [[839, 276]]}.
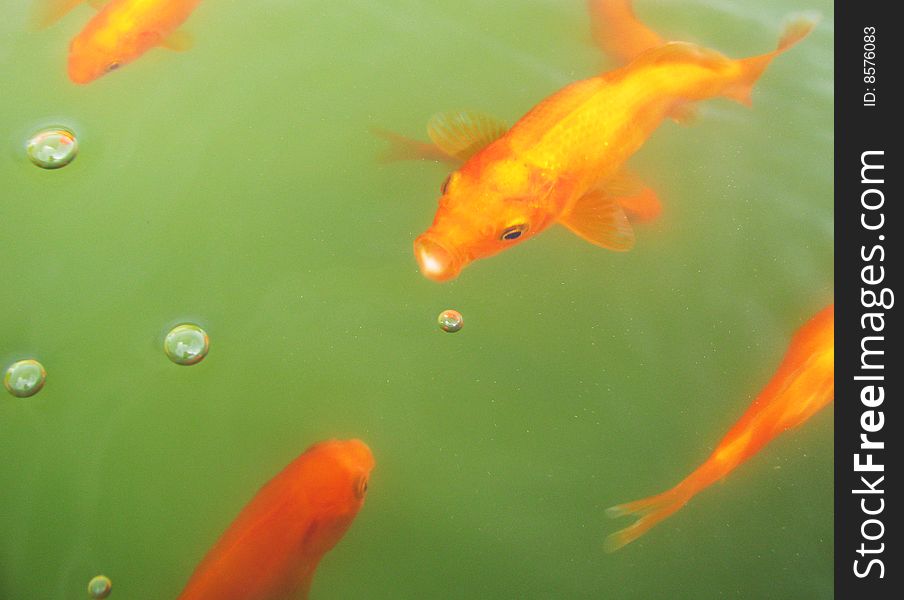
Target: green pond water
{"points": [[235, 186]]}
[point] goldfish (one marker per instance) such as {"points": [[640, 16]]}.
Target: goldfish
{"points": [[803, 384], [120, 32], [564, 161], [273, 547]]}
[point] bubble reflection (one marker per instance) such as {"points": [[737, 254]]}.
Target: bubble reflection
{"points": [[450, 321], [24, 378], [186, 344], [52, 148]]}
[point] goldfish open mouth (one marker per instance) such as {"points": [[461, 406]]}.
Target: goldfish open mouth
{"points": [[436, 261]]}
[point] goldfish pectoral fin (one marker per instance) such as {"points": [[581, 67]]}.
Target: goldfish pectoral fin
{"points": [[643, 206], [179, 40], [599, 219], [684, 114], [624, 183], [649, 511], [405, 148], [47, 12], [633, 195], [462, 134]]}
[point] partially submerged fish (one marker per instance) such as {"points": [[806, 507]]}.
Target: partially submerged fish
{"points": [[120, 32], [274, 545], [563, 162], [803, 384]]}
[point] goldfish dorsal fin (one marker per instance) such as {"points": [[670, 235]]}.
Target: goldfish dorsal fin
{"points": [[462, 134], [405, 148], [178, 40], [617, 30], [633, 195], [598, 218], [47, 12]]}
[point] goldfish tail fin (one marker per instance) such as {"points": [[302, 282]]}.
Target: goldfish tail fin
{"points": [[649, 511], [752, 68], [405, 148]]}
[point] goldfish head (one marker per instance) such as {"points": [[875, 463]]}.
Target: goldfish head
{"points": [[333, 484], [99, 49], [483, 211]]}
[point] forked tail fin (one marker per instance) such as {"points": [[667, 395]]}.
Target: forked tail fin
{"points": [[752, 68], [649, 511]]}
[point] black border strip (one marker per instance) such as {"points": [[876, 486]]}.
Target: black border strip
{"points": [[867, 557]]}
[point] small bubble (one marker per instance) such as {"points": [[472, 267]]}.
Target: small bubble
{"points": [[52, 148], [100, 587], [450, 321], [186, 344], [25, 378]]}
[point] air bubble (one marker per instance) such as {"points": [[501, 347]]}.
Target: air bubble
{"points": [[186, 344], [52, 148], [450, 321], [100, 587], [24, 378]]}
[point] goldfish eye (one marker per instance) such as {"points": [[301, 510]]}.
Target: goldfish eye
{"points": [[445, 186], [360, 487], [112, 66], [513, 232]]}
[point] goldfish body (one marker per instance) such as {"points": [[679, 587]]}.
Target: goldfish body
{"points": [[120, 32], [563, 162], [803, 384], [274, 545]]}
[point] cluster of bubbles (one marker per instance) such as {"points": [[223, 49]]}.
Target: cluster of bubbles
{"points": [[99, 587], [185, 344]]}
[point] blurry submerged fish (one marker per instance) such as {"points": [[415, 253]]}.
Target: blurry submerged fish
{"points": [[120, 32], [803, 384], [273, 547], [563, 162]]}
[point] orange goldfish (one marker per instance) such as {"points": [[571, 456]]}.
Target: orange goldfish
{"points": [[120, 32], [563, 162], [803, 384], [274, 545]]}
